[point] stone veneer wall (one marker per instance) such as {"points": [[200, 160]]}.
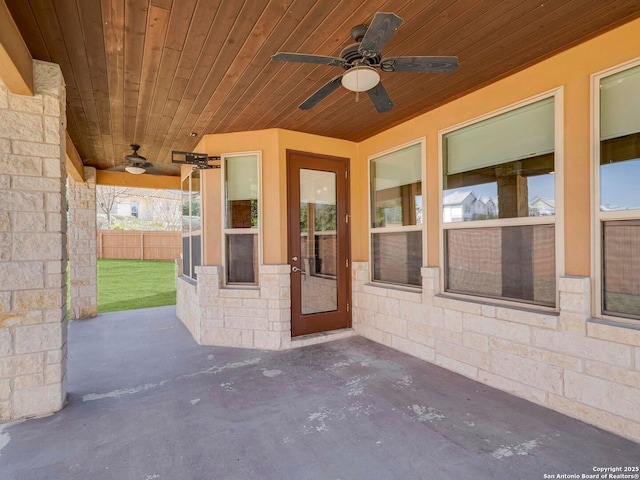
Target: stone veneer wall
{"points": [[567, 362], [33, 327], [83, 269], [238, 317]]}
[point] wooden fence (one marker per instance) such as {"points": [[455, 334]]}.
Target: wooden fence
{"points": [[139, 245]]}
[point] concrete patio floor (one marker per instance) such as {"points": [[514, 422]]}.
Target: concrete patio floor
{"points": [[147, 403]]}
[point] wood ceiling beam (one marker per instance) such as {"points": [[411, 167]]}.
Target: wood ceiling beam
{"points": [[122, 179], [75, 168], [16, 70]]}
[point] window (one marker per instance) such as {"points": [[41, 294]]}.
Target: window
{"points": [[498, 206], [191, 224], [618, 197], [241, 218], [134, 209], [396, 216]]}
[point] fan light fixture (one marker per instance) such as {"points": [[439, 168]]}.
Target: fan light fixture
{"points": [[360, 78], [134, 170]]}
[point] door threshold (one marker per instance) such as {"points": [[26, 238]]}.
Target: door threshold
{"points": [[321, 337]]}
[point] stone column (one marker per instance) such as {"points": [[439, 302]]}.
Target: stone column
{"points": [[83, 271], [33, 327]]}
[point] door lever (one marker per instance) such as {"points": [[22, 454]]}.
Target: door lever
{"points": [[295, 269]]}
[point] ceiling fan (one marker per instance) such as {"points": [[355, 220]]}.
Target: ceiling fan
{"points": [[137, 163], [361, 59]]}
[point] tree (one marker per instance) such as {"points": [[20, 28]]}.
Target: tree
{"points": [[106, 197], [167, 211]]}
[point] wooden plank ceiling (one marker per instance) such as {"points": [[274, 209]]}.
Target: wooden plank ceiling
{"points": [[154, 71]]}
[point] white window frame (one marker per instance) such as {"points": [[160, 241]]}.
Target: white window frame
{"points": [[239, 231], [422, 141], [597, 216], [557, 220], [191, 232]]}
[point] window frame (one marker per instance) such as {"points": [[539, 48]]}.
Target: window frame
{"points": [[191, 233], [224, 231], [557, 220], [422, 141], [598, 217]]}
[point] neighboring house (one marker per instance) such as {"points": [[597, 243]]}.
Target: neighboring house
{"points": [[540, 207], [462, 206], [491, 207]]}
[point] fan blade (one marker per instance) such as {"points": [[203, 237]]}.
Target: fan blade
{"points": [[419, 64], [321, 93], [308, 58], [380, 98], [383, 26]]}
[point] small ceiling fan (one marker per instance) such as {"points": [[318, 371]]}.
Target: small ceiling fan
{"points": [[361, 59], [137, 164]]}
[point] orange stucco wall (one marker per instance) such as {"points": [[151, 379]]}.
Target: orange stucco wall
{"points": [[572, 70]]}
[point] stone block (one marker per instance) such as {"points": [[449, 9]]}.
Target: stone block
{"points": [[28, 221], [452, 320], [5, 389], [52, 106], [5, 302], [28, 381], [21, 365], [497, 328], [53, 202], [459, 305], [14, 319], [38, 400], [456, 366], [5, 145], [5, 222], [605, 420], [15, 201], [510, 386], [391, 324], [489, 311], [389, 306], [517, 315], [53, 373], [37, 299], [365, 301], [572, 322], [246, 323], [583, 347], [267, 340], [4, 96], [31, 148], [52, 130], [257, 304], [373, 289], [413, 348], [462, 354], [574, 302], [574, 284], [475, 341], [21, 275], [17, 165], [6, 342], [21, 127], [614, 374], [52, 167], [528, 372], [38, 338], [47, 79], [37, 246], [427, 334], [627, 335], [375, 335], [611, 397], [247, 339], [405, 296], [539, 354], [27, 104]]}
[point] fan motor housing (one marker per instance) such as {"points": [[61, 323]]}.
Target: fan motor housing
{"points": [[352, 56]]}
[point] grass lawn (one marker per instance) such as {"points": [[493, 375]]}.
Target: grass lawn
{"points": [[131, 284]]}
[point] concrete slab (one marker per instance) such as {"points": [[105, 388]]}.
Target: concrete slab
{"points": [[147, 403]]}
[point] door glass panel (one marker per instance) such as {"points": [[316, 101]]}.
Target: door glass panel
{"points": [[318, 242]]}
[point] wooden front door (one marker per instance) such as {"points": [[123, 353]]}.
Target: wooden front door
{"points": [[318, 242]]}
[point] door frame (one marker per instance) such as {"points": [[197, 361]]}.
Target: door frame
{"points": [[343, 210]]}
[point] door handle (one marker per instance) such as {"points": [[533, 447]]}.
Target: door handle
{"points": [[295, 269]]}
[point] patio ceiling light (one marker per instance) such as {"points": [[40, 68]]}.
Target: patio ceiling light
{"points": [[134, 170], [360, 79]]}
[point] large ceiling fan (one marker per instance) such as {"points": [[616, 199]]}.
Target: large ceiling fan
{"points": [[361, 59], [137, 164]]}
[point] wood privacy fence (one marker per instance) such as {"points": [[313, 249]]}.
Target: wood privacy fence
{"points": [[139, 245]]}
